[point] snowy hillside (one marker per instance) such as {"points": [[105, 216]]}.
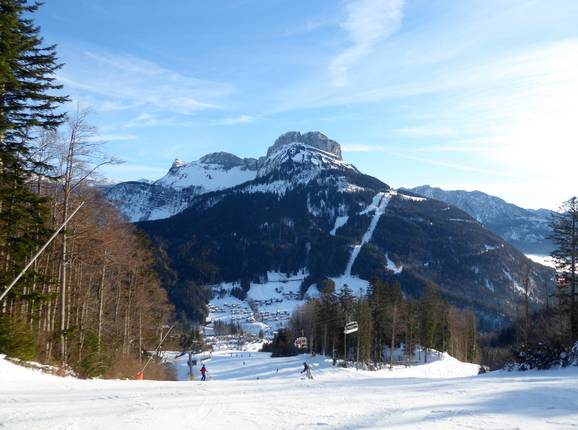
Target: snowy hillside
{"points": [[249, 364], [169, 195], [544, 260], [212, 172], [254, 395]]}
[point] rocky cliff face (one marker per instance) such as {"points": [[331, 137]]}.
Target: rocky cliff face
{"points": [[227, 161], [313, 138]]}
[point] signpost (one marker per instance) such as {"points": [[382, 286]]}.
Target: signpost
{"points": [[350, 327]]}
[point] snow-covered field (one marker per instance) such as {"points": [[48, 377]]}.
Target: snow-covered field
{"points": [[544, 260], [440, 395]]}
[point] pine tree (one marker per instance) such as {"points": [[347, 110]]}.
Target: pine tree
{"points": [[411, 325], [429, 318], [27, 105], [565, 237], [378, 298], [395, 302], [27, 80], [330, 319], [363, 318]]}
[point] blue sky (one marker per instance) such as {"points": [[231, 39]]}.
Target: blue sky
{"points": [[458, 94]]}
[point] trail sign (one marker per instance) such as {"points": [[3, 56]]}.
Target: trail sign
{"points": [[351, 327]]}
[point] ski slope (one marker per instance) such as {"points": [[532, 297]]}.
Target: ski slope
{"points": [[378, 206], [250, 364], [423, 397]]}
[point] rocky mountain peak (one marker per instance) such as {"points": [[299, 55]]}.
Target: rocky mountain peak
{"points": [[177, 164], [315, 139], [224, 159], [228, 161]]}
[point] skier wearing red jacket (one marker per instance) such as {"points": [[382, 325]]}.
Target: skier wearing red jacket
{"points": [[203, 371]]}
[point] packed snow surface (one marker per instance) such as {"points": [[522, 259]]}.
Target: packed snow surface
{"points": [[377, 206], [340, 221], [258, 392], [391, 266], [544, 260]]}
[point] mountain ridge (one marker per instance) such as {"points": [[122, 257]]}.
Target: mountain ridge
{"points": [[526, 229], [184, 181], [307, 210]]}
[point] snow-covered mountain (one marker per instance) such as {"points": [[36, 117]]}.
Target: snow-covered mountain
{"points": [[306, 210], [150, 200], [212, 172], [146, 200], [526, 229]]}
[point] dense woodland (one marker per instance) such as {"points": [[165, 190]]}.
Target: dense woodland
{"points": [[386, 320], [91, 298]]}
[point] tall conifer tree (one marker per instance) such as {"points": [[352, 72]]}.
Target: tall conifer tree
{"points": [[565, 237], [28, 104]]}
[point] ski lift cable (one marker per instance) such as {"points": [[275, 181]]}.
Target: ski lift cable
{"points": [[157, 348], [39, 252]]}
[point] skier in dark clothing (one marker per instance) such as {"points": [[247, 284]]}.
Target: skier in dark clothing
{"points": [[307, 370], [203, 372]]}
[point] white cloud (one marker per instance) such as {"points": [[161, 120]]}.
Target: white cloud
{"points": [[146, 119], [514, 113], [367, 23], [119, 82], [112, 137], [456, 166], [522, 113], [241, 119]]}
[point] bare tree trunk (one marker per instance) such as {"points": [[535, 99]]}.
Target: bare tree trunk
{"points": [[393, 329], [126, 336], [526, 309], [140, 334], [63, 246], [573, 319], [101, 297]]}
